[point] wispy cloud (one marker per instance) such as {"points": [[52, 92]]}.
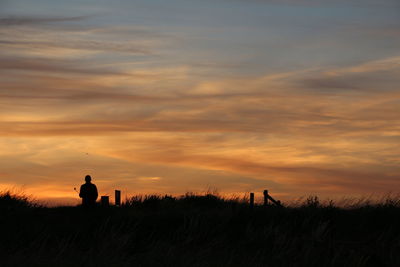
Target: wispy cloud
{"points": [[325, 111], [51, 65], [36, 20], [376, 75], [323, 3], [78, 45]]}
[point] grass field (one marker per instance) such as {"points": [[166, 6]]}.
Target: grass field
{"points": [[199, 230]]}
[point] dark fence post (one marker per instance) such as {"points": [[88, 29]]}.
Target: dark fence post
{"points": [[276, 202], [117, 198], [251, 200], [265, 197], [105, 201]]}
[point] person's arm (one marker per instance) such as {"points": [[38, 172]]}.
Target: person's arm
{"points": [[80, 192], [96, 194]]}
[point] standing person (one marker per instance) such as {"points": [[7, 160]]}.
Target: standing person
{"points": [[88, 193]]}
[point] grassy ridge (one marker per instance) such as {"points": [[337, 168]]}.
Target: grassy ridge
{"points": [[199, 231]]}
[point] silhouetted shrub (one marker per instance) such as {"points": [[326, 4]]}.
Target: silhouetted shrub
{"points": [[312, 202], [9, 200]]}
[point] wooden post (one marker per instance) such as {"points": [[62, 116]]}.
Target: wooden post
{"points": [[265, 197], [276, 202], [251, 200], [117, 198], [105, 201]]}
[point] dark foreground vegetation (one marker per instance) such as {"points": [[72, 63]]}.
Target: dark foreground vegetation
{"points": [[199, 231]]}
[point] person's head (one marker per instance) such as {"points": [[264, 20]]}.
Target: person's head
{"points": [[88, 178]]}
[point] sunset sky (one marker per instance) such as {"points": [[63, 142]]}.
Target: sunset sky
{"points": [[296, 96]]}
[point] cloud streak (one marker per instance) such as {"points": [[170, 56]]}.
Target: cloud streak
{"points": [[36, 20], [51, 65], [79, 45]]}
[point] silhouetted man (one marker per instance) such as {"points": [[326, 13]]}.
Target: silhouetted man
{"points": [[88, 192]]}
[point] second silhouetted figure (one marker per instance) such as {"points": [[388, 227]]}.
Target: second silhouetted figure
{"points": [[88, 192]]}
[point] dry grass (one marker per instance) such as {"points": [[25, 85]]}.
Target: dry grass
{"points": [[201, 230]]}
